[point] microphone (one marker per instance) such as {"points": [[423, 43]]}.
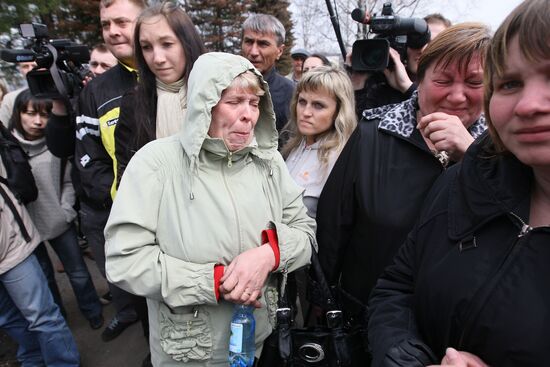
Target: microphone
{"points": [[17, 55], [360, 16]]}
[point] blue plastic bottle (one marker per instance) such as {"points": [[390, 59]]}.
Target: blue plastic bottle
{"points": [[242, 342]]}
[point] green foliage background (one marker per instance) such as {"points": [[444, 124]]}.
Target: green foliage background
{"points": [[219, 22]]}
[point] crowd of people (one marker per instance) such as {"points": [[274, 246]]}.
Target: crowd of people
{"points": [[197, 177]]}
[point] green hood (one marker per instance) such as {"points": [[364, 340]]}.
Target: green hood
{"points": [[212, 73]]}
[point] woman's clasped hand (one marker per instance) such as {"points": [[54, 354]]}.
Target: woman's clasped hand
{"points": [[244, 278]]}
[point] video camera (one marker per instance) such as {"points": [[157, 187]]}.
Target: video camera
{"points": [[60, 63], [392, 31]]}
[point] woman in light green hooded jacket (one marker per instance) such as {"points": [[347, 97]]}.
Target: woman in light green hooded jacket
{"points": [[186, 229]]}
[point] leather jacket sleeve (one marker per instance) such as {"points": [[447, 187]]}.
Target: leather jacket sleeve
{"points": [[124, 135], [336, 209], [94, 164], [392, 331], [60, 135]]}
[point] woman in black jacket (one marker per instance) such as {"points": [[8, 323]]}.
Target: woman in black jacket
{"points": [[166, 45], [375, 192], [470, 285]]}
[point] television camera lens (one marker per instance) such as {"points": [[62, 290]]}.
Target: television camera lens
{"points": [[370, 55]]}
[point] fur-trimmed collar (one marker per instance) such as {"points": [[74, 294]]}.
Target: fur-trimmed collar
{"points": [[400, 118]]}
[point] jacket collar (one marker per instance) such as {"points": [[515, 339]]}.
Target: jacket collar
{"points": [[270, 75], [487, 186], [303, 145], [400, 118], [31, 147], [217, 147]]}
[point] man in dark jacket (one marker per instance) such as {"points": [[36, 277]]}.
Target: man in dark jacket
{"points": [[263, 41], [97, 112]]}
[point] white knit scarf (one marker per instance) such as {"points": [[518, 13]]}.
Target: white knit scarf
{"points": [[171, 107]]}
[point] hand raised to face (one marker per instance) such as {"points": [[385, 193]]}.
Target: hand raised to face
{"points": [[446, 133]]}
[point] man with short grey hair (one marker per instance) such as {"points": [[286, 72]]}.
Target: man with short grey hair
{"points": [[263, 40]]}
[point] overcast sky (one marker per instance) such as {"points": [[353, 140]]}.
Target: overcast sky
{"points": [[491, 12]]}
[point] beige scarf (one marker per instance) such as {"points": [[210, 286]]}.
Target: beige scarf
{"points": [[171, 107]]}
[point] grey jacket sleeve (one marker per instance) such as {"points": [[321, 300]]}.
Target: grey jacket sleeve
{"points": [[134, 261], [68, 197]]}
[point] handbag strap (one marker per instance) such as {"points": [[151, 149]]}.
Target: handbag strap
{"points": [[334, 317], [15, 213], [322, 283]]}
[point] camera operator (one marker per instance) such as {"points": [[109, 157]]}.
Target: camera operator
{"points": [[375, 89], [436, 23], [399, 76], [403, 78], [383, 69]]}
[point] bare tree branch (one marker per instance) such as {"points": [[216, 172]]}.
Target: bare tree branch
{"points": [[314, 29]]}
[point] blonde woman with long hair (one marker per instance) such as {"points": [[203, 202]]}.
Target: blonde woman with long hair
{"points": [[322, 118]]}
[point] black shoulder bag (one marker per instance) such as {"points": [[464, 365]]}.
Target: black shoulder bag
{"points": [[19, 178], [336, 344]]}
